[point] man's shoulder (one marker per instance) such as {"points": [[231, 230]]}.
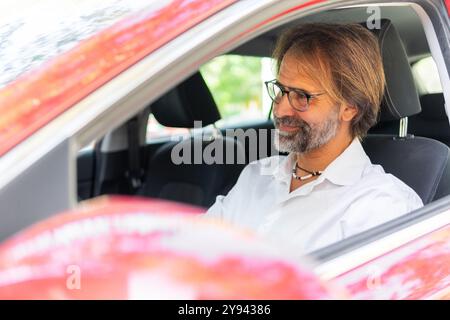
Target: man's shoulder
{"points": [[379, 182], [381, 197]]}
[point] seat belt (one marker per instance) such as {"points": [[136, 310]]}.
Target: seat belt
{"points": [[134, 172], [97, 181]]}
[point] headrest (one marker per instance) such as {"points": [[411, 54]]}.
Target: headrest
{"points": [[400, 98], [433, 107], [189, 101]]}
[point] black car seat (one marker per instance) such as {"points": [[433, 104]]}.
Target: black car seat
{"points": [[422, 163], [194, 183], [432, 122]]}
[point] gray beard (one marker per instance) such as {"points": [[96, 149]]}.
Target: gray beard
{"points": [[308, 137]]}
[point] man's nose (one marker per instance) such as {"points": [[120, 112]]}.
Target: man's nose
{"points": [[283, 108]]}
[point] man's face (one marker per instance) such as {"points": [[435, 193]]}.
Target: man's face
{"points": [[301, 132]]}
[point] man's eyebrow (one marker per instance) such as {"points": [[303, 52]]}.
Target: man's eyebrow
{"points": [[285, 86], [293, 88], [279, 82]]}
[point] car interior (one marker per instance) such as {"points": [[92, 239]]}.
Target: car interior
{"points": [[411, 139]]}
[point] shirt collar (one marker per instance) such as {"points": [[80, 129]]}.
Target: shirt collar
{"points": [[346, 169], [283, 170]]}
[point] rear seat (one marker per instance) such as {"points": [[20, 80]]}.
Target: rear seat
{"points": [[197, 184], [432, 122]]}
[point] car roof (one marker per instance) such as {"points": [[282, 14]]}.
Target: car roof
{"points": [[404, 18]]}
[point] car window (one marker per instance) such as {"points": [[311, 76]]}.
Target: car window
{"points": [[237, 85], [156, 132], [426, 76]]}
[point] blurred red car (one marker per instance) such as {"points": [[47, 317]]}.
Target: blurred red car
{"points": [[104, 89]]}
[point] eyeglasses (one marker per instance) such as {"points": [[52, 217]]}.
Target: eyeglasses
{"points": [[298, 98]]}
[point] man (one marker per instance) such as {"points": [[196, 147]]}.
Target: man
{"points": [[326, 96]]}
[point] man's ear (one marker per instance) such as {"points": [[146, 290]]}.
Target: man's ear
{"points": [[348, 112]]}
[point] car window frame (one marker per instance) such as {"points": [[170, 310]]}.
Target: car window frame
{"points": [[365, 238], [83, 133], [421, 215]]}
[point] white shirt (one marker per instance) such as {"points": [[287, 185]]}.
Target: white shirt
{"points": [[351, 195]]}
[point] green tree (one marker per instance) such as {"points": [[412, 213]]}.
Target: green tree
{"points": [[234, 81]]}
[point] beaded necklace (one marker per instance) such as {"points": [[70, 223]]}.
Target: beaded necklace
{"points": [[306, 177]]}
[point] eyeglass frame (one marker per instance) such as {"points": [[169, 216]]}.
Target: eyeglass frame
{"points": [[283, 88]]}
